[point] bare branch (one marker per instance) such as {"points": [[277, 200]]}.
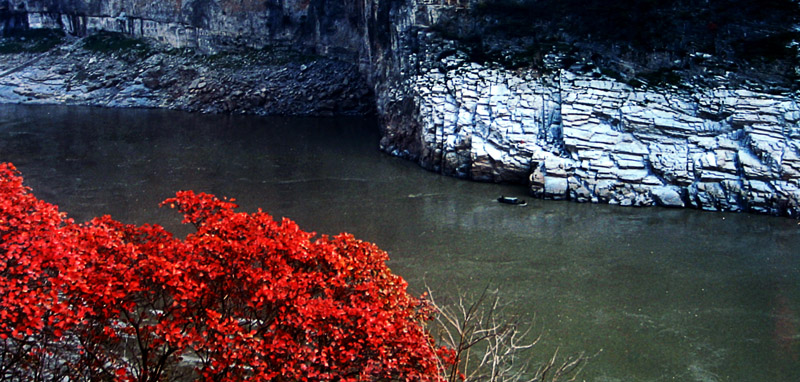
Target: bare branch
{"points": [[491, 344]]}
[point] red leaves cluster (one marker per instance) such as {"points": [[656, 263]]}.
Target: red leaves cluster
{"points": [[242, 298]]}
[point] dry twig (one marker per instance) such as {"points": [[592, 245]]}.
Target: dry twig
{"points": [[490, 344]]}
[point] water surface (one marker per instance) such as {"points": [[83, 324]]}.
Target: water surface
{"points": [[666, 294]]}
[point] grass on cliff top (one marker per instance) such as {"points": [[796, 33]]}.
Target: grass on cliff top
{"points": [[30, 41]]}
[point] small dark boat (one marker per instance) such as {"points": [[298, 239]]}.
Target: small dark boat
{"points": [[512, 200]]}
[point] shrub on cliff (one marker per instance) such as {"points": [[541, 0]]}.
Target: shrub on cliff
{"points": [[742, 39], [119, 44], [30, 41], [244, 297]]}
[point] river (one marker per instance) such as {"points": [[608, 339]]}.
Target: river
{"points": [[657, 294]]}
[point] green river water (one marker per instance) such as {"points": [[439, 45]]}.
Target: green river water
{"points": [[658, 294]]}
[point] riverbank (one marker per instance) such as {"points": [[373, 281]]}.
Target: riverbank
{"points": [[111, 70], [565, 131]]}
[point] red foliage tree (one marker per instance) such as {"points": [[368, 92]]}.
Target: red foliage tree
{"points": [[242, 298]]}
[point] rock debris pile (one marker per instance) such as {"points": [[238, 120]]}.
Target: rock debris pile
{"points": [[182, 80]]}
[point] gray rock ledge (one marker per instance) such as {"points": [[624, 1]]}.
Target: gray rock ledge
{"points": [[570, 136]]}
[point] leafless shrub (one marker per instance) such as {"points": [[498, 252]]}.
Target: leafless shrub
{"points": [[492, 345]]}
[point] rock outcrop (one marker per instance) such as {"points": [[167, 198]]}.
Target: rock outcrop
{"points": [[566, 135], [590, 139]]}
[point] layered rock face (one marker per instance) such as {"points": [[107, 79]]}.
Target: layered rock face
{"points": [[565, 135], [597, 140]]}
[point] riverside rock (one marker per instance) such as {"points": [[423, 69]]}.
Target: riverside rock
{"points": [[577, 137], [564, 134]]}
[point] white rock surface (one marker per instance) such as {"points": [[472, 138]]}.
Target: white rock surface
{"points": [[599, 140]]}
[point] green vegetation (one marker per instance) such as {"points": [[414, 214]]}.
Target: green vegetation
{"points": [[117, 43], [769, 48], [246, 57], [668, 76], [269, 55], [657, 42], [30, 41]]}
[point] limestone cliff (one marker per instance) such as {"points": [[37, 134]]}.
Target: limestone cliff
{"points": [[566, 134], [576, 137]]}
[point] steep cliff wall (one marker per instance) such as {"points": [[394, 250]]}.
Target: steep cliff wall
{"points": [[211, 25], [582, 137], [589, 139], [571, 136]]}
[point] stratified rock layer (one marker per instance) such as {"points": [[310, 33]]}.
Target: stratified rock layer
{"points": [[597, 140]]}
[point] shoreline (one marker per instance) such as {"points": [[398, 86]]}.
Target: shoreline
{"points": [[258, 82]]}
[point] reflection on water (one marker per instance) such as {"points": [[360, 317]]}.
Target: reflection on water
{"points": [[667, 294]]}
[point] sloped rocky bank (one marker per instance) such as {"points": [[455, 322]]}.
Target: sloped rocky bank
{"points": [[565, 134], [264, 82]]}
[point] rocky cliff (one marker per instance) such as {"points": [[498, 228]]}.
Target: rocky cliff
{"points": [[589, 139], [209, 25], [257, 57], [566, 134]]}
